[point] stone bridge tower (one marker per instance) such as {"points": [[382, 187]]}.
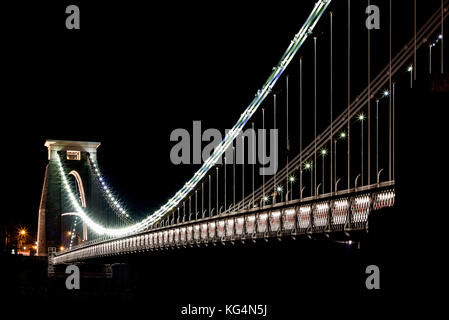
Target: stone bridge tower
{"points": [[53, 202]]}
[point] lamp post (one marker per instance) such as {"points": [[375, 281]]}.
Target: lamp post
{"points": [[361, 118], [225, 200], [22, 236], [216, 200], [323, 153], [410, 70], [342, 136], [184, 212], [196, 204], [377, 135], [300, 127], [334, 162], [233, 176], [264, 200], [190, 208], [210, 196], [386, 94], [309, 166], [291, 179], [202, 199], [279, 190]]}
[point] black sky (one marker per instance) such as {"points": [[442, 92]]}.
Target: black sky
{"points": [[130, 76]]}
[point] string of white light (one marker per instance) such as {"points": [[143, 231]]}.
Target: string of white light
{"points": [[151, 219], [79, 211], [115, 204], [72, 235]]}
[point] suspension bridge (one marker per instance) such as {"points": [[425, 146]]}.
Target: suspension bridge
{"points": [[316, 191]]}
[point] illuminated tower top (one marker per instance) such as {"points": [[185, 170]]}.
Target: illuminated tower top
{"points": [[73, 148]]}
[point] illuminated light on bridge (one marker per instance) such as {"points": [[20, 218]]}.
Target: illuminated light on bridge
{"points": [[384, 199], [239, 225], [289, 219], [361, 209], [361, 117], [340, 211], [304, 217], [321, 214], [341, 203], [107, 189], [362, 200], [251, 224], [276, 214], [305, 210], [322, 206], [261, 224], [229, 229]]}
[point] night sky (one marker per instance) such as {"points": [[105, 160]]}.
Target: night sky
{"points": [[134, 73], [130, 76]]}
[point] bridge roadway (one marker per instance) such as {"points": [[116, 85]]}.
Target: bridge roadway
{"points": [[346, 210]]}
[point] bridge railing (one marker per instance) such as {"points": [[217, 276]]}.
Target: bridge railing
{"points": [[304, 200], [343, 212]]}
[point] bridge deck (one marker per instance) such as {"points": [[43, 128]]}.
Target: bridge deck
{"points": [[342, 211]]}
